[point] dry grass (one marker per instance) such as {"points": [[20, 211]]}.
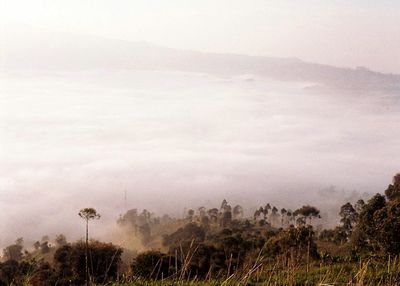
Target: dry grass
{"points": [[262, 272]]}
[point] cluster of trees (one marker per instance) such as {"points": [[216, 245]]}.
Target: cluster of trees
{"points": [[371, 227], [284, 218], [378, 226], [141, 223], [221, 240], [66, 266], [349, 216], [222, 216], [210, 243]]}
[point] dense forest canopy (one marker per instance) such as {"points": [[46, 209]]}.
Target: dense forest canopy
{"points": [[219, 243]]}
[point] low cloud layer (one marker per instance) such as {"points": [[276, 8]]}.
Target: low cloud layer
{"points": [[170, 139]]}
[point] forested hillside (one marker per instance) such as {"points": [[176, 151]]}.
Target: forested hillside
{"points": [[221, 246]]}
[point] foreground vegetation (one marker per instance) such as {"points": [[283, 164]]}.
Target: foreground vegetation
{"points": [[220, 246]]}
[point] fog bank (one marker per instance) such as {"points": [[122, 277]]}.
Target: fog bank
{"points": [[173, 139]]}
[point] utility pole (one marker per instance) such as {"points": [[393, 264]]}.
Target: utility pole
{"points": [[125, 200]]}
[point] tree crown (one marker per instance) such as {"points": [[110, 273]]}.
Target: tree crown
{"points": [[89, 213]]}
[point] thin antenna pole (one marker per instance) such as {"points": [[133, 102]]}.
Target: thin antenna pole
{"points": [[125, 200]]}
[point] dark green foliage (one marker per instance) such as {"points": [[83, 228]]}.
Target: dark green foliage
{"points": [[378, 227], [393, 190], [293, 242], [44, 247], [14, 251], [63, 258], [337, 235], [206, 259], [218, 251], [189, 232], [8, 272], [359, 205], [154, 265], [364, 234], [387, 234], [103, 262], [13, 273], [348, 218], [304, 213], [44, 275]]}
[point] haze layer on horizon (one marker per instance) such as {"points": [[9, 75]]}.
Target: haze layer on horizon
{"points": [[340, 33]]}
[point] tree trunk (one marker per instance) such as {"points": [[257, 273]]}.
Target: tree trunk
{"points": [[87, 253]]}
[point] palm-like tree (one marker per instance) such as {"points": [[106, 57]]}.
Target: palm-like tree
{"points": [[306, 212], [88, 214]]}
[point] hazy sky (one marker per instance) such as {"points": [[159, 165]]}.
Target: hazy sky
{"points": [[313, 30]]}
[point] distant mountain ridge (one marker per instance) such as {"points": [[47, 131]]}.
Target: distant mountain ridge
{"points": [[32, 49]]}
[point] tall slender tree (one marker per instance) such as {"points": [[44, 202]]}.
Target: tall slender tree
{"points": [[348, 219], [283, 215], [88, 214]]}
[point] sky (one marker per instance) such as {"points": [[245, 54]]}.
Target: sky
{"points": [[340, 33]]}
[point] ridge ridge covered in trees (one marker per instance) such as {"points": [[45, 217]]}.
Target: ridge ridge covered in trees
{"points": [[273, 246]]}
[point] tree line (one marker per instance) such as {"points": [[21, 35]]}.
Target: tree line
{"points": [[212, 243]]}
